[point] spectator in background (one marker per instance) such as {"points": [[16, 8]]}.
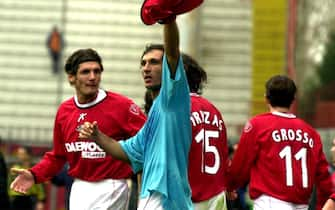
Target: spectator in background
{"points": [[55, 45], [4, 198], [36, 194], [100, 181], [280, 155], [208, 155]]}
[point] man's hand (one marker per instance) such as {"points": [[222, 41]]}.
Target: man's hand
{"points": [[89, 130], [109, 145], [23, 182], [330, 205]]}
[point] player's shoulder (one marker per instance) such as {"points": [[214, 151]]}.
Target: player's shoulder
{"points": [[68, 103], [304, 123], [307, 127], [258, 120], [261, 118], [123, 103], [118, 97], [200, 100]]}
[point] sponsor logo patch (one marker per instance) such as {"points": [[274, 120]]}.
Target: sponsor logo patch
{"points": [[134, 109], [247, 128]]}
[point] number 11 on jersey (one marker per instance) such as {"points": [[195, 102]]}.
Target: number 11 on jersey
{"points": [[286, 153]]}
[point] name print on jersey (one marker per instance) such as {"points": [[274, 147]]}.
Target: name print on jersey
{"points": [[88, 150], [200, 117], [292, 135]]}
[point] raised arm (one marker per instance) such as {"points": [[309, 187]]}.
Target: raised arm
{"points": [[109, 145], [171, 45]]}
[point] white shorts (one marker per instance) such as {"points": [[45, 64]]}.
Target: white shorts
{"points": [[265, 202], [217, 202], [154, 201], [109, 194]]}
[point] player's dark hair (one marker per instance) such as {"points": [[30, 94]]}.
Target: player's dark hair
{"points": [[280, 91], [196, 75], [80, 56], [148, 100], [150, 47]]}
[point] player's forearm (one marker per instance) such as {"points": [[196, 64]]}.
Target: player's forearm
{"points": [[47, 167], [171, 45], [111, 146]]}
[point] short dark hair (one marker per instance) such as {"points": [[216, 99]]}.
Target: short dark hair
{"points": [[81, 56], [150, 47], [280, 91]]}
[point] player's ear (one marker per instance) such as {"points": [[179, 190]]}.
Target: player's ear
{"points": [[266, 99], [71, 78]]}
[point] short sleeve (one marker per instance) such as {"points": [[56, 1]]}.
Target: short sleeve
{"points": [[169, 96], [133, 147]]}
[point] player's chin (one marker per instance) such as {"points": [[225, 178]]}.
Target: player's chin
{"points": [[90, 91], [148, 85]]}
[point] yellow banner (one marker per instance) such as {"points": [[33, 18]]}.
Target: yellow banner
{"points": [[269, 47]]}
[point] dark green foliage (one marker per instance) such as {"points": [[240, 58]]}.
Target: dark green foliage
{"points": [[326, 70]]}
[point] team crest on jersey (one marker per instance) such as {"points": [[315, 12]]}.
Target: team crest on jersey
{"points": [[134, 109], [247, 127]]}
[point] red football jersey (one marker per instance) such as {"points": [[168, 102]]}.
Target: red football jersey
{"points": [[282, 157], [332, 196], [117, 117], [209, 150]]}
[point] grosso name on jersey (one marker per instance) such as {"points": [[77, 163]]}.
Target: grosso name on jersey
{"points": [[292, 135]]}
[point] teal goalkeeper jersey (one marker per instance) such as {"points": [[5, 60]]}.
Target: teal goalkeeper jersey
{"points": [[160, 149]]}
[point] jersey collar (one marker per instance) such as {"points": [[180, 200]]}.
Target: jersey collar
{"points": [[101, 95], [194, 94], [282, 114]]}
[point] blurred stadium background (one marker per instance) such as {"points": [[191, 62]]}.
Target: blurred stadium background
{"points": [[241, 43]]}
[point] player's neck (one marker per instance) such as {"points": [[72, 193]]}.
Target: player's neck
{"points": [[279, 109], [84, 99]]}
